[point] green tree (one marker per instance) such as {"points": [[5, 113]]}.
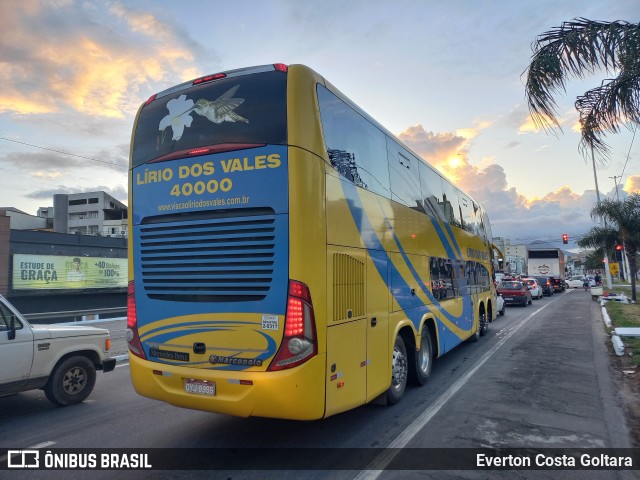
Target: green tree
{"points": [[577, 48], [593, 261], [623, 226]]}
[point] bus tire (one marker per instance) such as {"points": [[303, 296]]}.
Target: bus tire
{"points": [[399, 372], [422, 360], [484, 324]]}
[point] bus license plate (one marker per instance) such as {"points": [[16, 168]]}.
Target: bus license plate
{"points": [[200, 387]]}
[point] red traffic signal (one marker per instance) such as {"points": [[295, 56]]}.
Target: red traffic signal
{"points": [[618, 247], [565, 238]]}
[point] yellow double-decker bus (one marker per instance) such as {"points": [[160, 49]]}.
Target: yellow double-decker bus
{"points": [[288, 256]]}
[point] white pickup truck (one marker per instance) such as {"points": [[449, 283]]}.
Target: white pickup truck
{"points": [[61, 360]]}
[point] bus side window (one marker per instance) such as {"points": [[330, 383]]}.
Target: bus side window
{"points": [[450, 204], [431, 188], [449, 273], [356, 148], [405, 177], [486, 224], [467, 214]]}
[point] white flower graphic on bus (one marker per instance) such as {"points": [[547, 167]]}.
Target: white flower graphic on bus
{"points": [[178, 117], [217, 111]]}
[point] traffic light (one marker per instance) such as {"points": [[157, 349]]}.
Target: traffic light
{"points": [[565, 238]]}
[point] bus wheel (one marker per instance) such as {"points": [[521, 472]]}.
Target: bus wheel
{"points": [[484, 324], [422, 359], [399, 372]]}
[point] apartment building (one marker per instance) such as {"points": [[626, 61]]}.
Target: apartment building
{"points": [[90, 213]]}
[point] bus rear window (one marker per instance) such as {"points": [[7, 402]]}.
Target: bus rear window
{"points": [[248, 109]]}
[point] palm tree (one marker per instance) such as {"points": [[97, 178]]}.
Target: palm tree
{"points": [[577, 48], [623, 220]]}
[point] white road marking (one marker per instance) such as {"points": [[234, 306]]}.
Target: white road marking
{"points": [[376, 467], [42, 445]]}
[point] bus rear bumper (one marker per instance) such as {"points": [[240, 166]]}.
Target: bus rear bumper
{"points": [[296, 394]]}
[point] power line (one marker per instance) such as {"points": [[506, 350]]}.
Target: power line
{"points": [[629, 153], [64, 153]]}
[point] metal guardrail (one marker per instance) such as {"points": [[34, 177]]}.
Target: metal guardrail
{"points": [[74, 313]]}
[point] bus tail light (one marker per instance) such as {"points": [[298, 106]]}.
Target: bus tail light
{"points": [[209, 78], [299, 342], [281, 67], [135, 346], [206, 150]]}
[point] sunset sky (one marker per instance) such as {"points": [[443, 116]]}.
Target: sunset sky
{"points": [[446, 77]]}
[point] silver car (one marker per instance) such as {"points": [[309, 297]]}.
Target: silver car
{"points": [[535, 287]]}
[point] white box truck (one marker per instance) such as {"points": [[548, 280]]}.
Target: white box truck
{"points": [[546, 262]]}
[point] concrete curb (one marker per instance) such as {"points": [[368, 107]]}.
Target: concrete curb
{"points": [[618, 346], [605, 317]]}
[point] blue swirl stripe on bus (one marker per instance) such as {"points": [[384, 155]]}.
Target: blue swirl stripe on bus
{"points": [[447, 226], [445, 241], [201, 324], [467, 305], [268, 353], [205, 327], [372, 244]]}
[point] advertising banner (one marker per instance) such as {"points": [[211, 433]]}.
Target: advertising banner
{"points": [[55, 272]]}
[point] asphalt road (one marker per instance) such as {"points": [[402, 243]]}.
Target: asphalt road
{"points": [[540, 378]]}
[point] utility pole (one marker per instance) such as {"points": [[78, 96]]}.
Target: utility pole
{"points": [[607, 272], [624, 262], [615, 183]]}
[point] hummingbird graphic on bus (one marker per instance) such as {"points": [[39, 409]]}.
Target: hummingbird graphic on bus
{"points": [[217, 111]]}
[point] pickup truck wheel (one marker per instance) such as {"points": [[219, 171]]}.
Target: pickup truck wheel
{"points": [[71, 381]]}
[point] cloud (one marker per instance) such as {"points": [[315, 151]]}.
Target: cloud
{"points": [[86, 57], [47, 175], [564, 196], [41, 162], [48, 161], [512, 214], [470, 133], [46, 194], [528, 126], [632, 184], [433, 147]]}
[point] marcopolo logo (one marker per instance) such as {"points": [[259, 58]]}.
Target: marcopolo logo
{"points": [[23, 459]]}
